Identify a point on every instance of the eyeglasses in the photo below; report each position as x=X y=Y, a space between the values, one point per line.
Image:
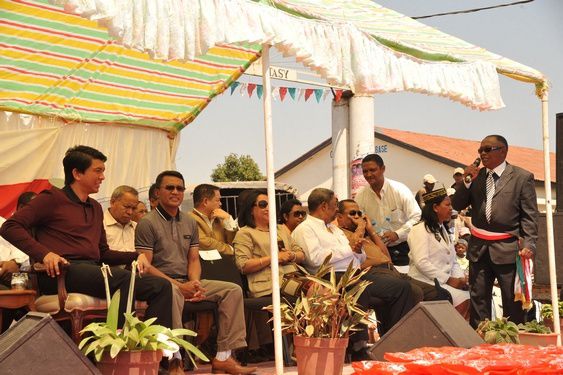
x=488 y=149
x=261 y=204
x=171 y=188
x=355 y=213
x=299 y=213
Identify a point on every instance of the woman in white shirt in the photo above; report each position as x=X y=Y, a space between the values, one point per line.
x=432 y=254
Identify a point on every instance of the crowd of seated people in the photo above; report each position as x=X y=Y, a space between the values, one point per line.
x=382 y=228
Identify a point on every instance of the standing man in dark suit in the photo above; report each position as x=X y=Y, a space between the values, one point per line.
x=505 y=214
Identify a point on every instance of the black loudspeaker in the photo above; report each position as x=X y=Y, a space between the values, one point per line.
x=433 y=323
x=37 y=345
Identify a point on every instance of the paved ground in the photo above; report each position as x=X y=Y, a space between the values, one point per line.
x=268 y=368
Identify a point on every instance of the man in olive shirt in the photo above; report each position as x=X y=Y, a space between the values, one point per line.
x=169 y=238
x=216 y=227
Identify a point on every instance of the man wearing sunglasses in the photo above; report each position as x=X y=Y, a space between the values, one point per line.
x=504 y=218
x=169 y=239
x=358 y=229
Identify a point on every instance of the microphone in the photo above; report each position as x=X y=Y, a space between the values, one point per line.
x=476 y=163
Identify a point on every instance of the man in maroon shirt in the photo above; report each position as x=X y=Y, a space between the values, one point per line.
x=68 y=227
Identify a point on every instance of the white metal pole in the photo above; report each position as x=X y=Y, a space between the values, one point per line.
x=340 y=161
x=267 y=103
x=549 y=216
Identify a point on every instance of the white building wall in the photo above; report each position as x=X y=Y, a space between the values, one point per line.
x=310 y=174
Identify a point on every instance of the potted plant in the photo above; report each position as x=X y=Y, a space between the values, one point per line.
x=498 y=331
x=546 y=314
x=535 y=333
x=322 y=319
x=138 y=346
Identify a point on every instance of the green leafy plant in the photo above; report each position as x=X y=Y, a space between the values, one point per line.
x=546 y=311
x=534 y=327
x=498 y=331
x=329 y=309
x=136 y=335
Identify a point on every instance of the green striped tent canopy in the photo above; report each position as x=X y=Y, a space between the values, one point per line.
x=56 y=64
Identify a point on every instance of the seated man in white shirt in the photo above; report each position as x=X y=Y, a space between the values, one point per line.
x=118 y=218
x=319 y=237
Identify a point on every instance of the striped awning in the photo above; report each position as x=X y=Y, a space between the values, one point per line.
x=53 y=63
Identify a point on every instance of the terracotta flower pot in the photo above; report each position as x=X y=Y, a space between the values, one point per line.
x=537 y=339
x=319 y=356
x=549 y=323
x=131 y=363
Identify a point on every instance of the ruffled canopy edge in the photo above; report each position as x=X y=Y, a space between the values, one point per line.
x=339 y=52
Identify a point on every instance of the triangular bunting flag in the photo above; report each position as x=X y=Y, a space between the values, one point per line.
x=283 y=91
x=326 y=92
x=274 y=94
x=259 y=91
x=301 y=92
x=250 y=89
x=308 y=93
x=234 y=86
x=338 y=95
x=318 y=94
x=242 y=89
x=292 y=92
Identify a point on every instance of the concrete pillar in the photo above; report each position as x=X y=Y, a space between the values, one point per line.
x=339 y=153
x=362 y=126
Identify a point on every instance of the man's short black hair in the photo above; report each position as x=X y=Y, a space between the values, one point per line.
x=317 y=197
x=161 y=176
x=375 y=158
x=152 y=191
x=499 y=138
x=342 y=203
x=79 y=158
x=204 y=191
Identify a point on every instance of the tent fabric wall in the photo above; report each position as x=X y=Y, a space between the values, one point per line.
x=33 y=148
x=339 y=52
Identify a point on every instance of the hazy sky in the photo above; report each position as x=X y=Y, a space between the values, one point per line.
x=531 y=34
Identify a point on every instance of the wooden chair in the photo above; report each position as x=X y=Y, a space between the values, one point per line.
x=77 y=308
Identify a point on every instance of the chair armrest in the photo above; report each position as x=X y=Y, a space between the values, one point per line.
x=61 y=285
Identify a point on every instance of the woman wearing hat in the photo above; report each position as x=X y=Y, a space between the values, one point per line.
x=432 y=254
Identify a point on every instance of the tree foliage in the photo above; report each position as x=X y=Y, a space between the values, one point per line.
x=237 y=168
